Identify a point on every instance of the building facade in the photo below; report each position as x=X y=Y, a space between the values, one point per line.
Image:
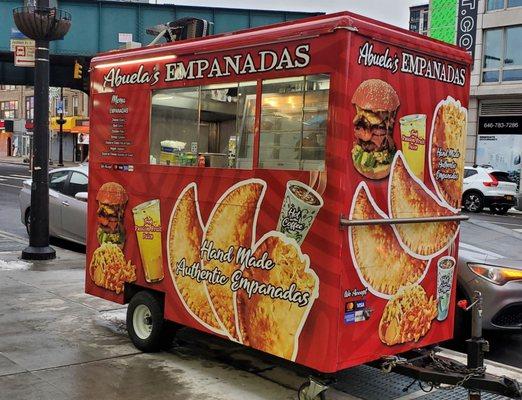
x=495 y=112
x=17 y=105
x=419 y=19
x=492 y=31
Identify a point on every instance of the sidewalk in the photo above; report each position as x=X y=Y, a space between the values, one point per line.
x=12 y=245
x=58 y=343
x=20 y=161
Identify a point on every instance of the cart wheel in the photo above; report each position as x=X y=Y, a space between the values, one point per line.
x=302 y=395
x=145 y=322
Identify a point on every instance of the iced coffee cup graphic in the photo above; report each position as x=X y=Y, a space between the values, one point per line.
x=147 y=224
x=300 y=207
x=413 y=138
x=445 y=269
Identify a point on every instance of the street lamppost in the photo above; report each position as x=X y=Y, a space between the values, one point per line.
x=42 y=24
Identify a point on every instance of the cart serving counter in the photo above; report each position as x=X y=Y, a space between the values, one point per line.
x=294 y=188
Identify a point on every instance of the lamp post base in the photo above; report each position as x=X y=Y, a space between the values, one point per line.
x=38 y=253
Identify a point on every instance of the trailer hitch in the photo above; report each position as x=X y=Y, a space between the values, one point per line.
x=477 y=345
x=425 y=365
x=438 y=372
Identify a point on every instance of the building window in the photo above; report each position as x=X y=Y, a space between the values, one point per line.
x=65 y=106
x=419 y=17
x=502 y=55
x=29 y=107
x=7 y=87
x=8 y=109
x=76 y=107
x=493 y=5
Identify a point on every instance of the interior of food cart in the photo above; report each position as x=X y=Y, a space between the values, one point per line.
x=218 y=121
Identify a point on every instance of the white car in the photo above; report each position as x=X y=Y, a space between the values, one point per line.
x=487 y=187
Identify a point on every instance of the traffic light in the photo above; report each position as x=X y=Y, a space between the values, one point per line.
x=77 y=70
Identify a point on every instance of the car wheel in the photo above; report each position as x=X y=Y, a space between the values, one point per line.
x=27 y=219
x=500 y=210
x=145 y=322
x=473 y=202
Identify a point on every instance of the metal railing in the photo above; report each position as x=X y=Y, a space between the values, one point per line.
x=396 y=221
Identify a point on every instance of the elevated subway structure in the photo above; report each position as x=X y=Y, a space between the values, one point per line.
x=97 y=24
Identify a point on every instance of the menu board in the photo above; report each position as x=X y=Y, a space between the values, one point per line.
x=120 y=128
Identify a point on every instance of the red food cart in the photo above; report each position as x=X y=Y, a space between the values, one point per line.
x=295 y=188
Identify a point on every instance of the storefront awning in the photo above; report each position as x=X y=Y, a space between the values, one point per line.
x=80 y=129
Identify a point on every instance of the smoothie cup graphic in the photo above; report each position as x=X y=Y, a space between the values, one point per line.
x=300 y=207
x=445 y=269
x=413 y=138
x=147 y=224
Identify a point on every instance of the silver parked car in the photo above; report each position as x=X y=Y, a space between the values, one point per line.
x=67 y=203
x=499 y=279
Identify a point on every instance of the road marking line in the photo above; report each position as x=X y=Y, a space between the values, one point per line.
x=518 y=230
x=14 y=186
x=16 y=238
x=22 y=176
x=506 y=223
x=13 y=177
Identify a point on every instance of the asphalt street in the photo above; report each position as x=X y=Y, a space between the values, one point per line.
x=505 y=347
x=11 y=178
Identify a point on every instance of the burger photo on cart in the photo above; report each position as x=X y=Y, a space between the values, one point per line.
x=376 y=104
x=112 y=199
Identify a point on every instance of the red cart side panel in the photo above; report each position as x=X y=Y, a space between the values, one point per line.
x=407 y=126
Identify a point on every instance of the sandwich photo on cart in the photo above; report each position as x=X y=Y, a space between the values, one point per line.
x=281 y=188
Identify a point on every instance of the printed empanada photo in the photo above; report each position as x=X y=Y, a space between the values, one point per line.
x=184 y=240
x=231 y=224
x=407 y=316
x=268 y=320
x=408 y=197
x=380 y=261
x=447 y=150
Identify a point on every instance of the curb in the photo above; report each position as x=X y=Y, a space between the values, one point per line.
x=13 y=162
x=51 y=166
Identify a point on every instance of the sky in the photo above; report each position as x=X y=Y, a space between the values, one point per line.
x=395 y=12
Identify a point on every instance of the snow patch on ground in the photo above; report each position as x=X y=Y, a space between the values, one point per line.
x=115 y=320
x=14 y=265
